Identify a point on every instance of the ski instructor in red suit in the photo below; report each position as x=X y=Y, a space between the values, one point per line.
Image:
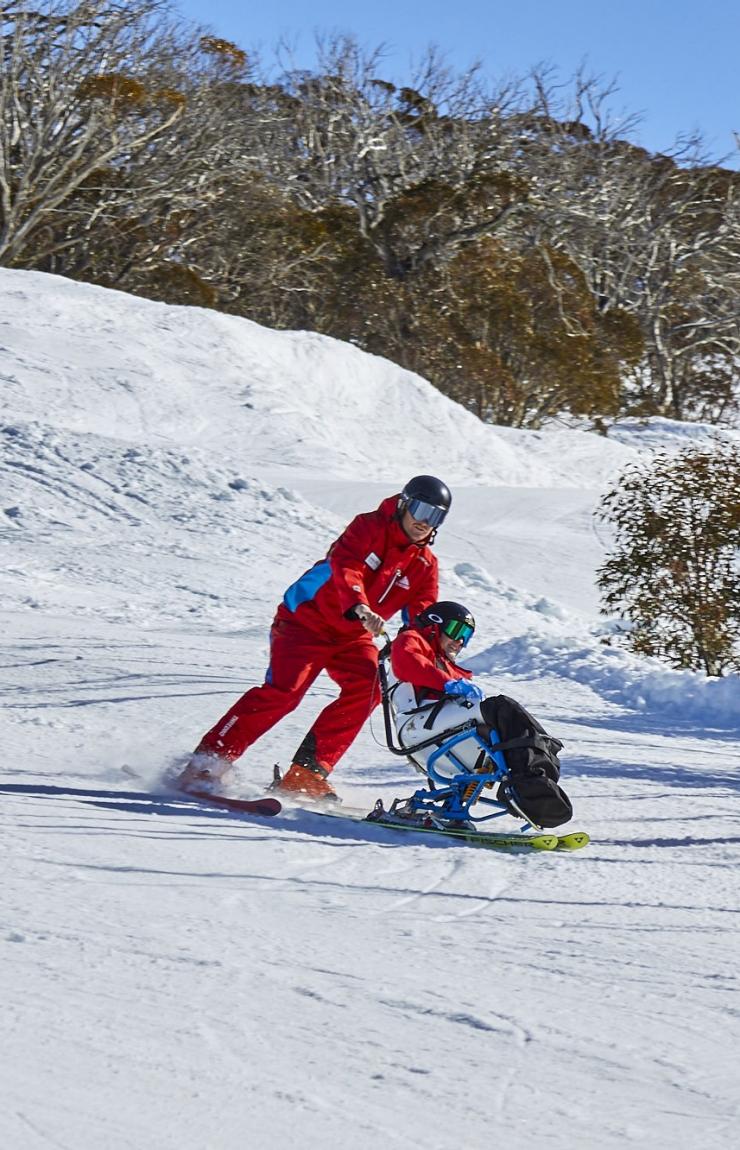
x=380 y=564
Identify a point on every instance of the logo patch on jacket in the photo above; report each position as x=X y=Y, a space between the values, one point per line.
x=403 y=582
x=373 y=561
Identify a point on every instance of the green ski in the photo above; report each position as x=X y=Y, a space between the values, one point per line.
x=488 y=839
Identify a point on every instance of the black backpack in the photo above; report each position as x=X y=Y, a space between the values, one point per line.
x=531 y=787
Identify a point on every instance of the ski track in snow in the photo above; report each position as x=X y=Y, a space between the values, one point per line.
x=184 y=978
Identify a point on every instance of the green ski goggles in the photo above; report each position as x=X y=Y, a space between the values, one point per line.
x=457 y=629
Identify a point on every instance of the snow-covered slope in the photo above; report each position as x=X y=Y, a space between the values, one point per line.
x=136 y=371
x=186 y=980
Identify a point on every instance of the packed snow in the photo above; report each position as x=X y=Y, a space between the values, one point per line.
x=182 y=978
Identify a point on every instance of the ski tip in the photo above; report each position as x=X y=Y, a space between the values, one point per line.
x=573 y=841
x=265 y=806
x=268 y=806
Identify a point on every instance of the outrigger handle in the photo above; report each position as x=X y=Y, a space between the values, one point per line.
x=385 y=650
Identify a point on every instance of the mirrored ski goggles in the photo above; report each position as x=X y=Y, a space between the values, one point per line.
x=425 y=512
x=456 y=629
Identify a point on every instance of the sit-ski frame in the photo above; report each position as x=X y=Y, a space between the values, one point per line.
x=450 y=799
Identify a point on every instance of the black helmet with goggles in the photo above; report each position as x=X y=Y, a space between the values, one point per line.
x=427 y=500
x=451 y=619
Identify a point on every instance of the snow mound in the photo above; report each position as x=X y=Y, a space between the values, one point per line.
x=473 y=577
x=55 y=479
x=540 y=638
x=144 y=534
x=638 y=683
x=658 y=434
x=105 y=362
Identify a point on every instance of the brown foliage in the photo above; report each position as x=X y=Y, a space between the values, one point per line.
x=224 y=50
x=514 y=251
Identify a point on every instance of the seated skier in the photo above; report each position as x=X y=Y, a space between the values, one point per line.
x=433 y=695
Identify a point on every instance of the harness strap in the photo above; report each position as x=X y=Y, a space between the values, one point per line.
x=436 y=708
x=418 y=710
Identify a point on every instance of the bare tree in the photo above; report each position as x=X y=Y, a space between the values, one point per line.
x=76 y=98
x=158 y=213
x=424 y=167
x=657 y=237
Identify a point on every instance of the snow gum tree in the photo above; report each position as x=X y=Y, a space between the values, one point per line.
x=115 y=125
x=674 y=572
x=74 y=97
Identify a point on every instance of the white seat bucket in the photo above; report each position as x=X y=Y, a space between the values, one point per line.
x=434 y=719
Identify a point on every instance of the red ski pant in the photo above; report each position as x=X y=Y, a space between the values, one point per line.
x=297 y=657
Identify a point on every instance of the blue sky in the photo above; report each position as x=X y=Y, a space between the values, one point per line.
x=676 y=62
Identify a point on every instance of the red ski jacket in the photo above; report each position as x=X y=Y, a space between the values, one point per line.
x=373 y=562
x=417 y=658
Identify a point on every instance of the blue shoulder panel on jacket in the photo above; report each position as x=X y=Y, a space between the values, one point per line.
x=308 y=585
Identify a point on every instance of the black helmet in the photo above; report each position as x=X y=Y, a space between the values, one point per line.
x=426 y=498
x=451 y=619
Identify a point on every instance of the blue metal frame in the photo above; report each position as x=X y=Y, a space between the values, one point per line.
x=446 y=799
x=446 y=796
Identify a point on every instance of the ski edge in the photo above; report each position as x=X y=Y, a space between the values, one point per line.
x=485 y=839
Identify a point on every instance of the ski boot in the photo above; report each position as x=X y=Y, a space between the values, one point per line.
x=204 y=773
x=308 y=781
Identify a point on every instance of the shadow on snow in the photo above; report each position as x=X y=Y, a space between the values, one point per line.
x=700 y=778
x=298 y=820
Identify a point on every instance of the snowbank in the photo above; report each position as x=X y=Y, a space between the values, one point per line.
x=105 y=362
x=638 y=683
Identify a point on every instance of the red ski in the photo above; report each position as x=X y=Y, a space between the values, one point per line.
x=265 y=806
